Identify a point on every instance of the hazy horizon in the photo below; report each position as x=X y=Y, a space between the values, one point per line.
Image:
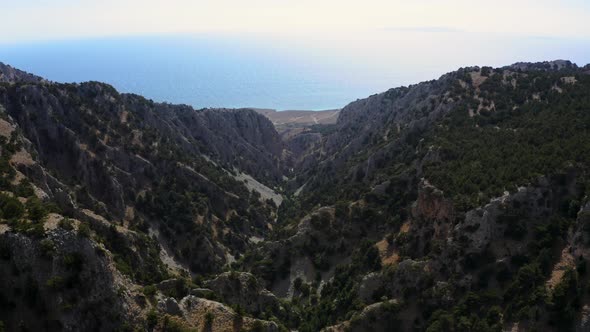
x=282 y=54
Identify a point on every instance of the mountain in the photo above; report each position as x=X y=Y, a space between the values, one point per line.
x=9 y=74
x=455 y=204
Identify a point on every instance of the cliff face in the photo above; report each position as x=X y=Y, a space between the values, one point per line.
x=157 y=189
x=120 y=156
x=93 y=119
x=375 y=130
x=64 y=281
x=453 y=204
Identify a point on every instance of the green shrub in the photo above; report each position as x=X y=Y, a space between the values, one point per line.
x=149 y=291
x=172 y=325
x=209 y=318
x=24 y=189
x=152 y=318
x=55 y=283
x=123 y=266
x=36 y=209
x=66 y=224
x=73 y=261
x=257 y=326
x=84 y=230
x=47 y=247
x=11 y=207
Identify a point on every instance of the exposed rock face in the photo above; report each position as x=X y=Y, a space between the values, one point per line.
x=108 y=150
x=584 y=325
x=9 y=74
x=222 y=135
x=302 y=147
x=101 y=157
x=432 y=205
x=389 y=121
x=490 y=223
x=169 y=306
x=408 y=273
x=70 y=282
x=375 y=317
x=546 y=65
x=206 y=315
x=243 y=289
x=243 y=133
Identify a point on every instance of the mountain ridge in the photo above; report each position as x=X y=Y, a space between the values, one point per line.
x=422 y=208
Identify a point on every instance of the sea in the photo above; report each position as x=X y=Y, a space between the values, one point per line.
x=201 y=72
x=212 y=71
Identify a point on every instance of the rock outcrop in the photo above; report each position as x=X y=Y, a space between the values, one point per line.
x=244 y=290
x=9 y=74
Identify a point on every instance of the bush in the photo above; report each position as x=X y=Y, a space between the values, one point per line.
x=566 y=300
x=55 y=283
x=485 y=155
x=152 y=319
x=257 y=326
x=66 y=224
x=209 y=318
x=47 y=247
x=84 y=230
x=172 y=325
x=24 y=189
x=11 y=207
x=149 y=291
x=32 y=229
x=123 y=267
x=390 y=238
x=36 y=209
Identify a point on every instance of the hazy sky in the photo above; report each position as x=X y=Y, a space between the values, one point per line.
x=304 y=19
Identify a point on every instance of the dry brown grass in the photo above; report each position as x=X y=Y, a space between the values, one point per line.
x=565 y=263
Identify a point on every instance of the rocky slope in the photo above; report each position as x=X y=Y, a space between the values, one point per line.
x=9 y=74
x=455 y=204
x=157 y=188
x=444 y=197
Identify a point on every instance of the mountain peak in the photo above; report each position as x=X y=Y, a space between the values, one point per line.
x=9 y=74
x=545 y=65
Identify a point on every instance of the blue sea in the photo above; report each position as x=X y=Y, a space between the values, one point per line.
x=209 y=71
x=202 y=72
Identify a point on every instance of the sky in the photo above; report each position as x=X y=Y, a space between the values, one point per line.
x=384 y=42
x=40 y=19
x=307 y=19
x=348 y=28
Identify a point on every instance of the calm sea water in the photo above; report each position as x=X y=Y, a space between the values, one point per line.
x=200 y=72
x=280 y=74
